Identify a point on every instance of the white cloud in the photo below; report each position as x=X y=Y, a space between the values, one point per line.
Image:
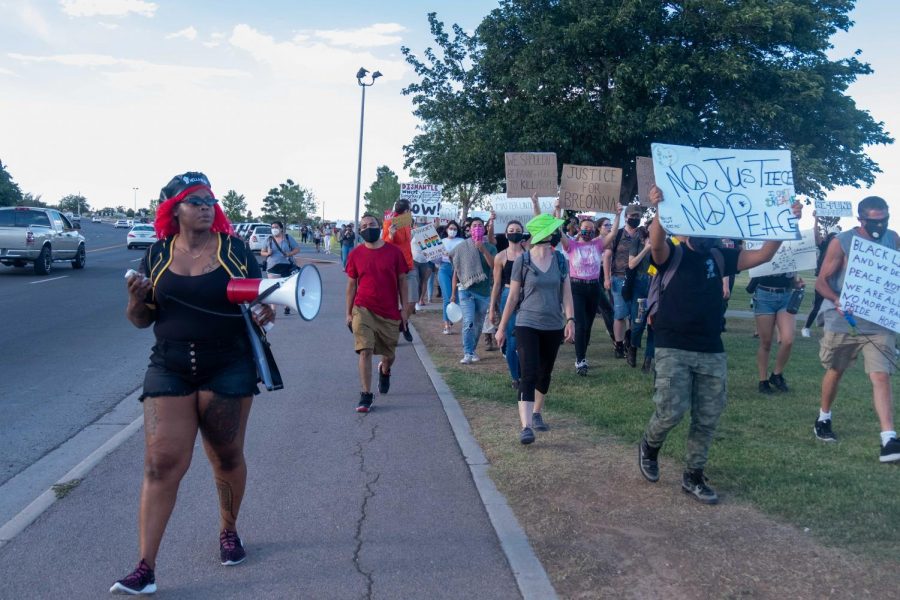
x=379 y=34
x=8 y=73
x=109 y=26
x=188 y=33
x=108 y=8
x=34 y=21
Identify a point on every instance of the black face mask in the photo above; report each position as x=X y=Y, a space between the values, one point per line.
x=634 y=222
x=875 y=227
x=370 y=234
x=514 y=238
x=703 y=245
x=555 y=238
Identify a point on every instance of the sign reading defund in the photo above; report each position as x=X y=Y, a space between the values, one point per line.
x=741 y=194
x=424 y=198
x=595 y=189
x=872 y=284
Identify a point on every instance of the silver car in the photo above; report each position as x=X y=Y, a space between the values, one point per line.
x=141 y=236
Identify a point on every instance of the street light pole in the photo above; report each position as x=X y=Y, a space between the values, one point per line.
x=360 y=75
x=135 y=200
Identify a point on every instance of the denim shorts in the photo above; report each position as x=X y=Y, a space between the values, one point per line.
x=766 y=302
x=181 y=368
x=621 y=307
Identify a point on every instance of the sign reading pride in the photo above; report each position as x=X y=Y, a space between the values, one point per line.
x=872 y=284
x=530 y=173
x=424 y=198
x=792 y=256
x=516 y=209
x=825 y=208
x=710 y=192
x=428 y=242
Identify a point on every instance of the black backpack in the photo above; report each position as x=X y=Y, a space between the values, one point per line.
x=660 y=282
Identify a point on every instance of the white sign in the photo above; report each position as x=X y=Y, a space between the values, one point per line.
x=428 y=242
x=825 y=208
x=424 y=198
x=516 y=209
x=710 y=192
x=449 y=212
x=793 y=256
x=872 y=284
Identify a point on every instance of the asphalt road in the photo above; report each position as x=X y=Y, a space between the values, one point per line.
x=67 y=353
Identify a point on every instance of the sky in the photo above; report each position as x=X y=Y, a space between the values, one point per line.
x=99 y=97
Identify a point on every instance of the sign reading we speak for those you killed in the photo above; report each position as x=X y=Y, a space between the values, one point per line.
x=711 y=192
x=872 y=283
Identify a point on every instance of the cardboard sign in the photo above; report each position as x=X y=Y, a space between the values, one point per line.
x=824 y=208
x=793 y=256
x=424 y=198
x=516 y=209
x=872 y=284
x=740 y=194
x=404 y=220
x=528 y=173
x=428 y=242
x=645 y=178
x=595 y=189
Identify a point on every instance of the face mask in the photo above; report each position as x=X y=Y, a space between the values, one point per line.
x=703 y=245
x=370 y=234
x=276 y=231
x=514 y=238
x=633 y=222
x=587 y=233
x=451 y=233
x=876 y=227
x=477 y=233
x=555 y=238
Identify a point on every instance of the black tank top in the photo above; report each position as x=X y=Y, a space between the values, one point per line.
x=177 y=322
x=507 y=272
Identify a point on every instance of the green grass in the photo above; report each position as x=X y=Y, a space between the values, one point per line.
x=764 y=451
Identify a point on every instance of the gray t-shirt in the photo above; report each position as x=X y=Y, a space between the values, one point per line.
x=279 y=251
x=541 y=307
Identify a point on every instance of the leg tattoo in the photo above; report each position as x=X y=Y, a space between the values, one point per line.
x=222 y=420
x=226 y=498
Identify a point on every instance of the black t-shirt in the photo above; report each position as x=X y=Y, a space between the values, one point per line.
x=178 y=322
x=690 y=308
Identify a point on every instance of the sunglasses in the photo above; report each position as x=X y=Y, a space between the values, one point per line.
x=198 y=201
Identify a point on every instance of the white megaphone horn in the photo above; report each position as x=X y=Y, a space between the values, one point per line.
x=302 y=291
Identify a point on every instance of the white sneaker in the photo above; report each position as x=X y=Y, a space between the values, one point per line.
x=805 y=332
x=474 y=357
x=446 y=330
x=466 y=359
x=418 y=307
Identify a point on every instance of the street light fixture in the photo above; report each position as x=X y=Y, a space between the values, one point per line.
x=360 y=77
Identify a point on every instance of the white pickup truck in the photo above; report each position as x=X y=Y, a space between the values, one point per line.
x=39 y=236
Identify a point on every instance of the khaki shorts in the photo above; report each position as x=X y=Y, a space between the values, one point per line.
x=838 y=351
x=375 y=333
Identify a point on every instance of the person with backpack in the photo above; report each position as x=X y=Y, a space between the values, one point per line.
x=639 y=271
x=685 y=308
x=279 y=252
x=822 y=242
x=615 y=266
x=544 y=318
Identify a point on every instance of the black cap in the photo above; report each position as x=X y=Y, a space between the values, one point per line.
x=179 y=183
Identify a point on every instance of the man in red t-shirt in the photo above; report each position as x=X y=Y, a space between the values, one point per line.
x=398 y=232
x=377 y=280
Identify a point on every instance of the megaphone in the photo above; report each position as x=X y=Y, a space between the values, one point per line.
x=301 y=291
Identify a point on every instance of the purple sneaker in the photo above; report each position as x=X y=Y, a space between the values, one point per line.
x=141 y=581
x=230 y=548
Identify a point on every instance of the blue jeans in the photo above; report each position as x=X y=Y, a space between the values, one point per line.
x=345 y=252
x=445 y=280
x=641 y=289
x=474 y=308
x=512 y=358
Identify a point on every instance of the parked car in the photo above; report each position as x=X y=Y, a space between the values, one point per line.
x=259 y=235
x=122 y=224
x=247 y=228
x=40 y=236
x=96 y=219
x=140 y=236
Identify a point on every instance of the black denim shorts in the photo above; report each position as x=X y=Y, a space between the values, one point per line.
x=182 y=368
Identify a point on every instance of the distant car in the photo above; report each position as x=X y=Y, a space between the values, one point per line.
x=259 y=235
x=96 y=219
x=141 y=236
x=122 y=224
x=294 y=227
x=131 y=222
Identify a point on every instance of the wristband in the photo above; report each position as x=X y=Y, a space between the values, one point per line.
x=570 y=319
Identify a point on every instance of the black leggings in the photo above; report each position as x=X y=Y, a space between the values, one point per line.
x=817 y=304
x=537 y=349
x=585 y=299
x=605 y=308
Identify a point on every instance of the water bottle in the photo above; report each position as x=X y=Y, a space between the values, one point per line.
x=641 y=310
x=796 y=299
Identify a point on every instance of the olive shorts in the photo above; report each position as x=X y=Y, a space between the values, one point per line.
x=374 y=332
x=838 y=351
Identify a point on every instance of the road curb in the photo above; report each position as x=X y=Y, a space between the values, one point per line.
x=532 y=579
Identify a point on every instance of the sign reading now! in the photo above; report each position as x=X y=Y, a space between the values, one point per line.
x=872 y=284
x=424 y=198
x=712 y=192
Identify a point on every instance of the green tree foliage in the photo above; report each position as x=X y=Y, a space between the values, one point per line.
x=289 y=202
x=597 y=81
x=10 y=194
x=29 y=199
x=383 y=192
x=74 y=203
x=234 y=205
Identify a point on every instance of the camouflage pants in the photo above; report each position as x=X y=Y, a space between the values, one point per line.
x=685 y=381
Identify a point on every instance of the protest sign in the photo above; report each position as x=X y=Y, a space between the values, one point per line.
x=516 y=209
x=872 y=283
x=427 y=241
x=590 y=188
x=740 y=194
x=404 y=220
x=449 y=212
x=793 y=256
x=825 y=208
x=645 y=179
x=530 y=173
x=424 y=198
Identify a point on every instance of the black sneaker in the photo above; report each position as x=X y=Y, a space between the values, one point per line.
x=647 y=366
x=647 y=461
x=620 y=350
x=890 y=452
x=365 y=402
x=779 y=382
x=765 y=388
x=822 y=429
x=694 y=483
x=631 y=358
x=538 y=422
x=514 y=384
x=287 y=310
x=407 y=334
x=527 y=436
x=231 y=549
x=141 y=581
x=384 y=381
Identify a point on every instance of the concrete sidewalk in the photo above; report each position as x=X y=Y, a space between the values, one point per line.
x=338 y=505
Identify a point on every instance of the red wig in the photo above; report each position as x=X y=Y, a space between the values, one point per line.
x=166 y=224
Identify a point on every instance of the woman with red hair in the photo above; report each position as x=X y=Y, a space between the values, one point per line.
x=202 y=376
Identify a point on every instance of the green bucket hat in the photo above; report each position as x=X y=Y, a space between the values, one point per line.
x=542 y=226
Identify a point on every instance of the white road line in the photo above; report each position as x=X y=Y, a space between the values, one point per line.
x=104 y=248
x=137 y=259
x=46 y=280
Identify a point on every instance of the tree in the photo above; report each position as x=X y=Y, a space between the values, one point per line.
x=234 y=205
x=289 y=203
x=10 y=194
x=383 y=192
x=74 y=203
x=29 y=199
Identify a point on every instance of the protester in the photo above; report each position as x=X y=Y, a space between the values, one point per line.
x=401 y=237
x=304 y=234
x=770 y=303
x=317 y=238
x=541 y=293
x=202 y=374
x=423 y=274
x=279 y=251
x=615 y=266
x=376 y=289
x=472 y=263
x=639 y=261
x=728 y=282
x=604 y=301
x=503 y=265
x=690 y=358
x=822 y=242
x=445 y=273
x=327 y=234
x=348 y=240
x=843 y=341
